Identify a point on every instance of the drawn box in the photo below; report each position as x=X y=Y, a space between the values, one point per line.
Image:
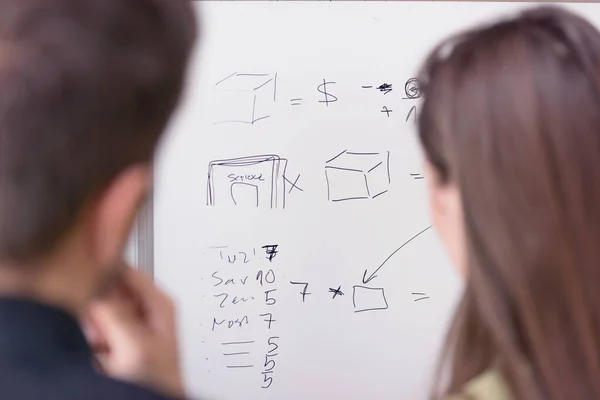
x=357 y=176
x=245 y=98
x=368 y=299
x=255 y=181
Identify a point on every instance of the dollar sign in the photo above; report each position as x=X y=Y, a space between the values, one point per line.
x=329 y=98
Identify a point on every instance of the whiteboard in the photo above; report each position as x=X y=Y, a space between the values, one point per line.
x=291 y=220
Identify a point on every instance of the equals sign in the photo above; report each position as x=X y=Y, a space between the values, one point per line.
x=422 y=296
x=417 y=176
x=296 y=102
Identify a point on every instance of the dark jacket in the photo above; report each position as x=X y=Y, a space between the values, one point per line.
x=44 y=356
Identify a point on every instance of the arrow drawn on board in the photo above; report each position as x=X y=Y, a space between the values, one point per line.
x=366 y=280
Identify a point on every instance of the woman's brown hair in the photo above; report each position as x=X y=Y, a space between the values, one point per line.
x=511 y=115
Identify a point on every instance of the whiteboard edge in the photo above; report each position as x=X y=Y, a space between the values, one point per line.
x=144 y=237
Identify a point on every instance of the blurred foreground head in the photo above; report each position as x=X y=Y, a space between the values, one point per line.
x=510 y=126
x=86 y=90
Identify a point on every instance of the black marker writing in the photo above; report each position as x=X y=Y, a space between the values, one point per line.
x=269 y=277
x=329 y=98
x=231 y=323
x=271 y=250
x=269 y=363
x=268 y=320
x=269 y=300
x=336 y=292
x=385 y=88
x=387 y=111
x=304 y=292
x=225 y=296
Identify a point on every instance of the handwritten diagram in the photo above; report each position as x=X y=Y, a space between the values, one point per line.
x=412 y=91
x=246 y=98
x=357 y=176
x=251 y=288
x=247 y=287
x=328 y=97
x=237 y=354
x=366 y=279
x=368 y=299
x=249 y=98
x=254 y=181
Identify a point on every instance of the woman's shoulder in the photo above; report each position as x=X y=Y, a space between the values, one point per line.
x=489 y=385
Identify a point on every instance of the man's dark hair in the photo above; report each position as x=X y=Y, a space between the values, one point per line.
x=86 y=90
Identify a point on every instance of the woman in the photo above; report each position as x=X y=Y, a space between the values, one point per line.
x=510 y=126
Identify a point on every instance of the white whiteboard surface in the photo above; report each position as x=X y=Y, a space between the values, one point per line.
x=226 y=189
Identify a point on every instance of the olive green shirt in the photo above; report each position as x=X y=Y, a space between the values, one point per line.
x=489 y=385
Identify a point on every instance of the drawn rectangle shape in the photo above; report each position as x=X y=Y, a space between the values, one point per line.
x=254 y=181
x=346 y=185
x=368 y=299
x=357 y=176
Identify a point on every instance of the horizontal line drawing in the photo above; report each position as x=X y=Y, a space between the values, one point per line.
x=368 y=299
x=423 y=296
x=253 y=181
x=252 y=74
x=345 y=169
x=353 y=153
x=238 y=349
x=233 y=343
x=245 y=97
x=353 y=175
x=350 y=198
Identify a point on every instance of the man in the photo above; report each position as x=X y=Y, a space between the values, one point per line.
x=86 y=89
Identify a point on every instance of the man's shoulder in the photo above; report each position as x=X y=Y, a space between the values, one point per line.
x=114 y=389
x=69 y=384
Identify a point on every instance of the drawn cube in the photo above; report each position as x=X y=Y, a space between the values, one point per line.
x=357 y=176
x=255 y=181
x=245 y=98
x=368 y=299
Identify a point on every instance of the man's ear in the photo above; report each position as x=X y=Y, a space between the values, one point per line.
x=114 y=212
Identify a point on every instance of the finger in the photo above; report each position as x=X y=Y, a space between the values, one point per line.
x=93 y=335
x=157 y=305
x=115 y=323
x=99 y=364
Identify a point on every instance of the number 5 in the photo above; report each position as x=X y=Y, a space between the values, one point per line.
x=267 y=379
x=271 y=343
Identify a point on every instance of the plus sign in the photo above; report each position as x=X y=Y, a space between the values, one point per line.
x=386 y=110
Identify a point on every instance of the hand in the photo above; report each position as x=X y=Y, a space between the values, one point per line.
x=132 y=331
